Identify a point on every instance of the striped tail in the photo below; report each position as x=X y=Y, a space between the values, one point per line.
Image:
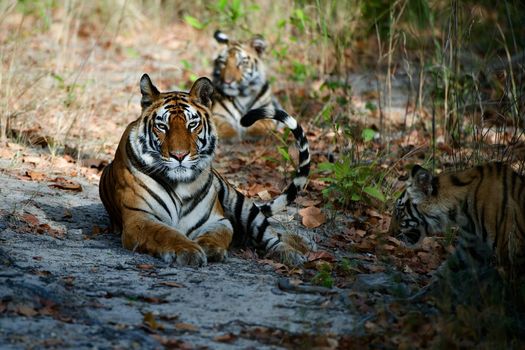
x=301 y=176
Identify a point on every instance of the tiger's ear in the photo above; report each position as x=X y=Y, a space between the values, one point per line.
x=202 y=91
x=422 y=180
x=149 y=92
x=221 y=37
x=259 y=44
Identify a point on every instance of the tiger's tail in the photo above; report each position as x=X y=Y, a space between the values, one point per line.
x=301 y=176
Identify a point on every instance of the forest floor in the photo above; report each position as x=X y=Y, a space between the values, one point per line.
x=66 y=282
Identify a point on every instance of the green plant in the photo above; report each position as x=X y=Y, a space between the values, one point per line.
x=347 y=267
x=226 y=14
x=283 y=149
x=350 y=182
x=69 y=89
x=324 y=276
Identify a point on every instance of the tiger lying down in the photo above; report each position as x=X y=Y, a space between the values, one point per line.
x=166 y=199
x=487 y=203
x=241 y=84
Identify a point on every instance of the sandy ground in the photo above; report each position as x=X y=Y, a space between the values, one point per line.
x=81 y=289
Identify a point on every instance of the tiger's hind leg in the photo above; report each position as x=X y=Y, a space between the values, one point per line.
x=288 y=248
x=144 y=234
x=225 y=130
x=260 y=129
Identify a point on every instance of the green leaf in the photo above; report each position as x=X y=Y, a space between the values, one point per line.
x=194 y=22
x=355 y=197
x=327 y=113
x=58 y=78
x=325 y=166
x=370 y=106
x=326 y=191
x=193 y=77
x=221 y=4
x=368 y=134
x=374 y=192
x=299 y=14
x=284 y=153
x=186 y=64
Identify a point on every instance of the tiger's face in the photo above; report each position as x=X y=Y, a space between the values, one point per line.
x=416 y=214
x=238 y=69
x=407 y=222
x=176 y=137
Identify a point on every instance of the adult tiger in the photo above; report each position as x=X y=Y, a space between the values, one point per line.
x=239 y=77
x=163 y=194
x=486 y=202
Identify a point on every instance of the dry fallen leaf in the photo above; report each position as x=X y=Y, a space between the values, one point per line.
x=46 y=229
x=185 y=327
x=30 y=219
x=68 y=158
x=65 y=184
x=149 y=321
x=366 y=245
x=360 y=233
x=171 y=343
x=312 y=217
x=264 y=195
x=35 y=175
x=278 y=267
x=226 y=338
x=394 y=240
x=429 y=244
x=373 y=213
x=26 y=310
x=320 y=255
x=306 y=202
x=145 y=266
x=388 y=247
x=96 y=230
x=171 y=284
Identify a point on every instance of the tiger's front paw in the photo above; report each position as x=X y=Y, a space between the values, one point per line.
x=189 y=254
x=215 y=246
x=214 y=253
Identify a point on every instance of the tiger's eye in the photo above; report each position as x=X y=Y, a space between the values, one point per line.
x=162 y=127
x=192 y=125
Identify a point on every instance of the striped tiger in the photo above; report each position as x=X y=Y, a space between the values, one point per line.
x=239 y=77
x=164 y=196
x=486 y=203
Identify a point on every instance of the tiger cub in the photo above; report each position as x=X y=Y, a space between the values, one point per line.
x=163 y=194
x=486 y=202
x=239 y=78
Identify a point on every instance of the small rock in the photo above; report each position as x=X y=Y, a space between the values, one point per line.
x=75 y=234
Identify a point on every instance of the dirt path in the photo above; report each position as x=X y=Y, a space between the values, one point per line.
x=81 y=289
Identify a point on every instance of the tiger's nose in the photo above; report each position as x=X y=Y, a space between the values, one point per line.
x=228 y=78
x=179 y=155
